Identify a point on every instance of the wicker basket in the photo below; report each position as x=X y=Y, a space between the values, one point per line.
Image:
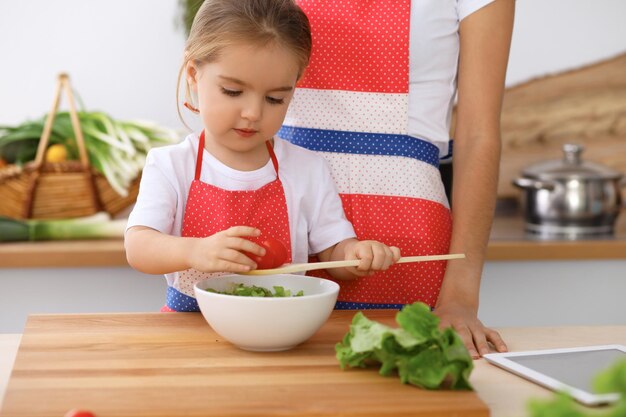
x=69 y=189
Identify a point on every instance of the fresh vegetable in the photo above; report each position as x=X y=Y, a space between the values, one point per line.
x=262 y=262
x=56 y=153
x=611 y=380
x=97 y=226
x=79 y=413
x=278 y=250
x=254 y=291
x=422 y=354
x=275 y=254
x=116 y=149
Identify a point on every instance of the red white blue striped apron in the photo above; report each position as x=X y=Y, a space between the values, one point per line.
x=352 y=107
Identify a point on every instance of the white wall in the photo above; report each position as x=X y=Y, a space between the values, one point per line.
x=28 y=291
x=553 y=293
x=123 y=55
x=551 y=36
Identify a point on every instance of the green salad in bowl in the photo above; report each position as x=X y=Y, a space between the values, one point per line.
x=243 y=290
x=266 y=312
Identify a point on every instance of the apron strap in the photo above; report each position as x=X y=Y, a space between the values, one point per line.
x=199 y=159
x=270 y=149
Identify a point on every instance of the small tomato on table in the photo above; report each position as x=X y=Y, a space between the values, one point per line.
x=79 y=413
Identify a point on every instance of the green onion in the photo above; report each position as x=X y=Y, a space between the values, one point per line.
x=97 y=226
x=116 y=149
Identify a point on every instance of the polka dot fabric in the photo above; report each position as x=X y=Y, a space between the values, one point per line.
x=349 y=110
x=352 y=107
x=417 y=227
x=179 y=302
x=211 y=209
x=386 y=175
x=363 y=143
x=347 y=305
x=358 y=45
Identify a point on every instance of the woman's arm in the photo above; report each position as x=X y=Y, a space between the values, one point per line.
x=485 y=38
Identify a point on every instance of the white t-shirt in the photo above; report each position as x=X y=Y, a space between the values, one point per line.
x=316 y=217
x=433 y=66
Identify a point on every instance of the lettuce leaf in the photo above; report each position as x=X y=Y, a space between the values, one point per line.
x=420 y=353
x=256 y=291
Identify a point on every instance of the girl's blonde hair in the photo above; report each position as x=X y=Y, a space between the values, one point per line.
x=221 y=23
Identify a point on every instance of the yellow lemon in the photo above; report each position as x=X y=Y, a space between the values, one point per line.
x=56 y=153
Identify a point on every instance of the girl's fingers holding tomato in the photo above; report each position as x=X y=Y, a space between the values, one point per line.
x=245 y=245
x=239 y=231
x=229 y=266
x=233 y=256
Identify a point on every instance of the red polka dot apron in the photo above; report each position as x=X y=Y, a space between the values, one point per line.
x=211 y=209
x=352 y=107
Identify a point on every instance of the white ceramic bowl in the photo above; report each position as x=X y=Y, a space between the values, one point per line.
x=267 y=323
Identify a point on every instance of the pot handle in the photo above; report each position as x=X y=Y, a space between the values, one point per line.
x=535 y=184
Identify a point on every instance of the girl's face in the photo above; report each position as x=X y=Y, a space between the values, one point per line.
x=243 y=98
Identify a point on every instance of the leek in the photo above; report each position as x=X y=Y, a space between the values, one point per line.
x=116 y=149
x=98 y=226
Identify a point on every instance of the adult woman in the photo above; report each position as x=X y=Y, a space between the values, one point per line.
x=376 y=102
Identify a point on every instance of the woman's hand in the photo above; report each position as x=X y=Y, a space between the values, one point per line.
x=223 y=251
x=474 y=334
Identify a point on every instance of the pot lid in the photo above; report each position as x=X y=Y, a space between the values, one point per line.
x=570 y=167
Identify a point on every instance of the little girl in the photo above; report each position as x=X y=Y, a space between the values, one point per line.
x=203 y=202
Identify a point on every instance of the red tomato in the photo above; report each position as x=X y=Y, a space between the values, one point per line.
x=275 y=253
x=262 y=262
x=79 y=413
x=278 y=249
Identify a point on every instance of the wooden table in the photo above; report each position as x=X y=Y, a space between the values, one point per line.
x=139 y=364
x=9 y=344
x=174 y=364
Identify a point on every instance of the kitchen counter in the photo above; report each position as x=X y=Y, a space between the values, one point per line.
x=136 y=341
x=508 y=242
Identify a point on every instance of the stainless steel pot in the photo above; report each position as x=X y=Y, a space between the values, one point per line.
x=570 y=198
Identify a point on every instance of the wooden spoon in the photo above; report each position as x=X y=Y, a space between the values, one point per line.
x=291 y=268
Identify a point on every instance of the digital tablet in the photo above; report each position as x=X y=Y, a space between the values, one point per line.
x=571 y=370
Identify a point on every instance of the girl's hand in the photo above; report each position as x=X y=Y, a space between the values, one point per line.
x=374 y=256
x=222 y=252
